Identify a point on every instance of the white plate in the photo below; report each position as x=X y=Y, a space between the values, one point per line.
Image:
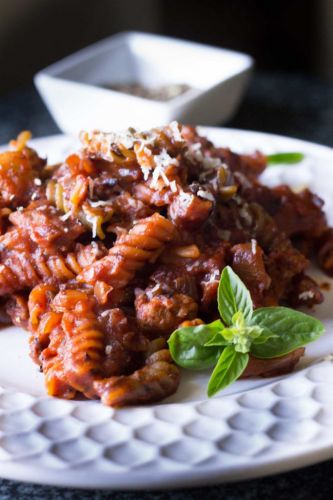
x=254 y=428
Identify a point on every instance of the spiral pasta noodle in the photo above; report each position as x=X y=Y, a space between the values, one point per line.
x=159 y=377
x=84 y=339
x=24 y=269
x=141 y=245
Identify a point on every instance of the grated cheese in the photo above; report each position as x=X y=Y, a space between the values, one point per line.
x=146 y=172
x=100 y=144
x=308 y=294
x=196 y=154
x=207 y=195
x=246 y=216
x=156 y=288
x=37 y=181
x=254 y=246
x=175 y=129
x=99 y=203
x=173 y=186
x=185 y=198
x=146 y=139
x=94 y=223
x=162 y=161
x=105 y=313
x=215 y=276
x=108 y=349
x=66 y=216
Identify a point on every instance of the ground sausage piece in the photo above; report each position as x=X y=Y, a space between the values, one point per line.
x=188 y=211
x=44 y=224
x=273 y=367
x=122 y=342
x=17 y=310
x=294 y=213
x=168 y=280
x=304 y=291
x=161 y=314
x=248 y=263
x=325 y=252
x=19 y=176
x=157 y=379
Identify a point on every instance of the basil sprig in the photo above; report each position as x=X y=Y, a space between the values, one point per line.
x=286 y=158
x=226 y=344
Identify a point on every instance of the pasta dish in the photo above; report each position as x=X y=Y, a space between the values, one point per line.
x=103 y=256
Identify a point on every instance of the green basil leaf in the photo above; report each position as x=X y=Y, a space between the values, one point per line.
x=264 y=336
x=217 y=340
x=229 y=368
x=287 y=158
x=293 y=329
x=187 y=346
x=233 y=296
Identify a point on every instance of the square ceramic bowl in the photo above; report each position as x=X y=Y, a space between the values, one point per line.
x=73 y=87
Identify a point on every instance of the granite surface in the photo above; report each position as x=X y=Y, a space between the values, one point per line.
x=291 y=105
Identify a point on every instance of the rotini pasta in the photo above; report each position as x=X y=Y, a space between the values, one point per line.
x=158 y=379
x=141 y=245
x=84 y=339
x=24 y=268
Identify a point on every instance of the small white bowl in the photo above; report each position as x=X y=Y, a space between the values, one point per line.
x=72 y=88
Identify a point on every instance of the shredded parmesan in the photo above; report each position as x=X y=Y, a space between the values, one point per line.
x=37 y=181
x=94 y=223
x=254 y=246
x=105 y=313
x=108 y=348
x=207 y=195
x=99 y=203
x=146 y=172
x=185 y=198
x=215 y=276
x=173 y=186
x=65 y=216
x=101 y=145
x=308 y=294
x=162 y=161
x=175 y=129
x=196 y=154
x=246 y=216
x=153 y=291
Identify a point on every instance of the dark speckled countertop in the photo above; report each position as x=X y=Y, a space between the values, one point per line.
x=291 y=105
